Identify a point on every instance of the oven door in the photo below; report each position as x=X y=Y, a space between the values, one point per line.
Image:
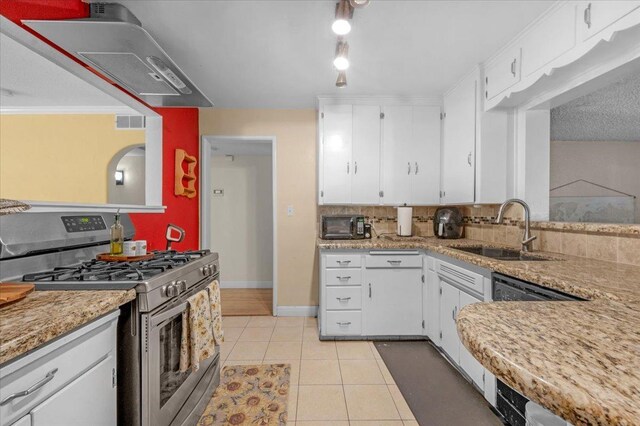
x=165 y=389
x=338 y=227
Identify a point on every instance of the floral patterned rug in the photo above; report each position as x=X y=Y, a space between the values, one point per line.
x=250 y=395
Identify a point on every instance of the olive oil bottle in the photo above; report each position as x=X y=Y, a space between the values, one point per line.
x=117 y=236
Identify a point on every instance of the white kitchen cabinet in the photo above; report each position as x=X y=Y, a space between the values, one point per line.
x=468 y=363
x=89 y=399
x=72 y=379
x=503 y=72
x=411 y=155
x=553 y=36
x=336 y=154
x=595 y=16
x=393 y=302
x=459 y=142
x=449 y=301
x=431 y=307
x=474 y=147
x=365 y=181
x=25 y=421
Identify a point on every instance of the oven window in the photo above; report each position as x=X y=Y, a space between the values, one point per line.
x=170 y=376
x=338 y=226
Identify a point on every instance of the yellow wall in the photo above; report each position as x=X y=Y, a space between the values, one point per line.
x=61 y=157
x=295 y=132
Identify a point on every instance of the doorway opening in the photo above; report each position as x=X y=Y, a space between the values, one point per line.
x=238 y=220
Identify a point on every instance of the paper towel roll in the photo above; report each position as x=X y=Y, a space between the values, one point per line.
x=404 y=221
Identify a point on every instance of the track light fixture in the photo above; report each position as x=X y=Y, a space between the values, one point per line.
x=342 y=79
x=358 y=3
x=341 y=62
x=344 y=12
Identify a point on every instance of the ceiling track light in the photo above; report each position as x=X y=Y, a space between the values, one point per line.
x=358 y=3
x=342 y=79
x=344 y=12
x=341 y=62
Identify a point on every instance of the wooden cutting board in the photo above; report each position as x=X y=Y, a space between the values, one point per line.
x=12 y=292
x=106 y=257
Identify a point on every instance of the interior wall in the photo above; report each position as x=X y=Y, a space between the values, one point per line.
x=242 y=220
x=59 y=157
x=612 y=164
x=295 y=132
x=132 y=190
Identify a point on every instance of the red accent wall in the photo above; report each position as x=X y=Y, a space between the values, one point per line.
x=180 y=129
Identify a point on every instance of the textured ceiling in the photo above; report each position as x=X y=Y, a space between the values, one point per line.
x=279 y=54
x=31 y=82
x=608 y=114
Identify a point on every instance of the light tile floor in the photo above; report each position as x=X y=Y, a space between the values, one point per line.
x=336 y=383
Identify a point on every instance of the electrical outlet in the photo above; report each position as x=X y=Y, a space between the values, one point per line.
x=290 y=210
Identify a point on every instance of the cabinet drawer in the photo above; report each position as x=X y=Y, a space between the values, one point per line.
x=393 y=261
x=344 y=323
x=461 y=277
x=55 y=365
x=344 y=298
x=345 y=276
x=343 y=261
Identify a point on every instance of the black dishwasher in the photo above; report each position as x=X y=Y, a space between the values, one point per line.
x=508 y=401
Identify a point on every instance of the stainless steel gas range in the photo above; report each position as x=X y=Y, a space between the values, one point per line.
x=57 y=251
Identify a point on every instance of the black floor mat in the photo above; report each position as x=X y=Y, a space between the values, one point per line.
x=436 y=393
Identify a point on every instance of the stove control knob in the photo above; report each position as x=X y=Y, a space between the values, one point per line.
x=182 y=285
x=205 y=270
x=171 y=290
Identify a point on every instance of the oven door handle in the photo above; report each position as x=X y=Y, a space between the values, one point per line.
x=157 y=319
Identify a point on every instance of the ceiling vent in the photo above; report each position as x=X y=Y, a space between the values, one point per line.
x=130 y=122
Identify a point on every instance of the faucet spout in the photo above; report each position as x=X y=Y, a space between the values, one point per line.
x=527 y=238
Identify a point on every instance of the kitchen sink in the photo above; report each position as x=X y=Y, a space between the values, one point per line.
x=500 y=253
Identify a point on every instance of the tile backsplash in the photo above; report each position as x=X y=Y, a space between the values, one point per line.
x=616 y=244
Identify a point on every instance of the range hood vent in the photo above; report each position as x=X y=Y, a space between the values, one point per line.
x=113 y=42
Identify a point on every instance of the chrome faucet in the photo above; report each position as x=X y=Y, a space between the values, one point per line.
x=527 y=239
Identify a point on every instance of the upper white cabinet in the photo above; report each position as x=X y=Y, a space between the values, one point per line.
x=411 y=155
x=474 y=147
x=459 y=143
x=365 y=181
x=371 y=154
x=502 y=72
x=548 y=40
x=595 y=16
x=337 y=136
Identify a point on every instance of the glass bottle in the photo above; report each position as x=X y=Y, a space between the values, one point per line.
x=117 y=236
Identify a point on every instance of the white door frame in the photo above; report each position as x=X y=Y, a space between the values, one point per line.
x=205 y=196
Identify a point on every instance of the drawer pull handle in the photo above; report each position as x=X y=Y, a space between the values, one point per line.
x=395 y=262
x=32 y=389
x=342 y=324
x=344 y=278
x=343 y=299
x=345 y=262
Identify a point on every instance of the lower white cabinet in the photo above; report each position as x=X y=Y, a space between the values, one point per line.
x=70 y=381
x=371 y=293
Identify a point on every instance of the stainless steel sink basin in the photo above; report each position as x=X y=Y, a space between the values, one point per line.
x=500 y=253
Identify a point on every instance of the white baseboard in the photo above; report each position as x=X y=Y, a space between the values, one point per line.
x=246 y=284
x=296 y=311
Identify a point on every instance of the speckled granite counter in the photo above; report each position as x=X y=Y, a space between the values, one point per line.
x=45 y=315
x=579 y=359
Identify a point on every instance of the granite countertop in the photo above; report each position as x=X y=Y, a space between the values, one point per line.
x=581 y=360
x=44 y=315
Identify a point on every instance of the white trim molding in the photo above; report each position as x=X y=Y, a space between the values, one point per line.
x=246 y=284
x=296 y=311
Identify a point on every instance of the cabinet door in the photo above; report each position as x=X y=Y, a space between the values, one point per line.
x=24 y=421
x=425 y=155
x=502 y=73
x=393 y=302
x=365 y=181
x=595 y=16
x=431 y=307
x=468 y=363
x=552 y=37
x=336 y=154
x=449 y=299
x=88 y=400
x=396 y=156
x=458 y=162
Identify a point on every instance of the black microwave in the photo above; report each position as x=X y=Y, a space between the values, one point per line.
x=343 y=227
